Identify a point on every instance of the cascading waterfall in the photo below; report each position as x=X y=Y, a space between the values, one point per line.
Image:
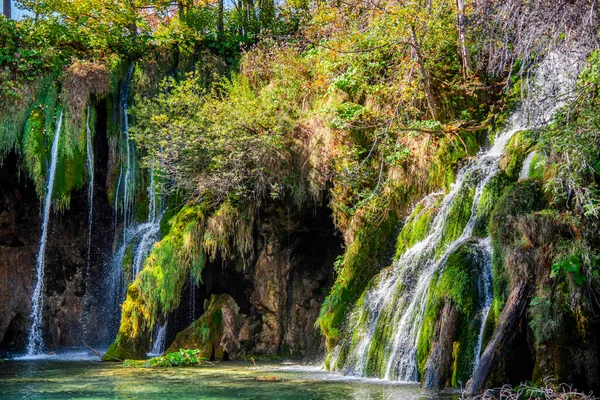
x=139 y=240
x=524 y=174
x=35 y=342
x=150 y=230
x=384 y=327
x=158 y=344
x=90 y=168
x=129 y=178
x=485 y=292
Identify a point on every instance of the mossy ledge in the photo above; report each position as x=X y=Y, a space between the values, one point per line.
x=157 y=289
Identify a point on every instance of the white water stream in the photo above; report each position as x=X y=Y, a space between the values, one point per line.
x=35 y=343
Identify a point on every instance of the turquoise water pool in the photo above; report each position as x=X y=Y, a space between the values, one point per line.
x=56 y=378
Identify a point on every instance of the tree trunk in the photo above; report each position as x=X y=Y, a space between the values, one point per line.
x=220 y=22
x=439 y=365
x=462 y=37
x=431 y=104
x=7 y=8
x=502 y=338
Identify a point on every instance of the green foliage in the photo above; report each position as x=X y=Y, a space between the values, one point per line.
x=181 y=358
x=216 y=140
x=517 y=200
x=570 y=145
x=549 y=313
x=572 y=265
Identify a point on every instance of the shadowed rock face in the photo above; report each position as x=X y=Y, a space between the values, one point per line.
x=19 y=235
x=66 y=252
x=66 y=256
x=277 y=294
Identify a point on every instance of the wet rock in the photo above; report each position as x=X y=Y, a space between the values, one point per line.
x=508 y=323
x=439 y=365
x=216 y=333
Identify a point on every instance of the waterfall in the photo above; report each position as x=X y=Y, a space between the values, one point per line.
x=35 y=340
x=524 y=174
x=90 y=168
x=158 y=344
x=151 y=196
x=485 y=293
x=384 y=327
x=129 y=179
x=192 y=297
x=137 y=239
x=116 y=202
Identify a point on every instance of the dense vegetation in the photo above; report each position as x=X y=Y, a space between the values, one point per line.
x=368 y=105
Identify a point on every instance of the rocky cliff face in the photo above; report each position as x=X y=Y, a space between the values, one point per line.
x=66 y=258
x=19 y=235
x=275 y=296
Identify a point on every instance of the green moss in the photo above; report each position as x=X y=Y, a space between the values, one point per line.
x=70 y=175
x=127 y=264
x=415 y=229
x=157 y=288
x=12 y=123
x=172 y=208
x=360 y=263
x=458 y=216
x=441 y=172
x=516 y=152
x=434 y=305
x=519 y=199
x=537 y=167
x=205 y=334
x=34 y=149
x=489 y=197
x=456 y=284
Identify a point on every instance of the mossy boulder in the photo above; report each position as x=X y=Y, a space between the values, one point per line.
x=131 y=343
x=452 y=300
x=157 y=288
x=217 y=333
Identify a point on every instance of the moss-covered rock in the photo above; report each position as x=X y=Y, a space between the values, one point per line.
x=517 y=200
x=458 y=217
x=516 y=152
x=157 y=289
x=489 y=197
x=417 y=226
x=361 y=261
x=127 y=263
x=456 y=285
x=216 y=334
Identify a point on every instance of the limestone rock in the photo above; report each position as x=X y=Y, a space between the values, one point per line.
x=216 y=333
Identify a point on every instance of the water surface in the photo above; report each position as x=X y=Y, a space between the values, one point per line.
x=54 y=378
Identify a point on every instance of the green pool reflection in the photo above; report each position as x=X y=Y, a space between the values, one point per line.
x=59 y=379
